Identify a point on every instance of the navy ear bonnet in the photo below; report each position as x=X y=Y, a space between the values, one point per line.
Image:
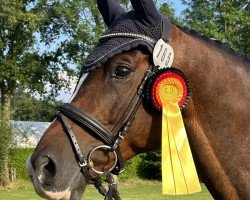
x=139 y=27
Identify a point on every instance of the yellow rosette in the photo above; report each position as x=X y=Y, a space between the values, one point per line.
x=169 y=93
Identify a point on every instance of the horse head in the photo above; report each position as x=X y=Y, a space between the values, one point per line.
x=107 y=122
x=103 y=102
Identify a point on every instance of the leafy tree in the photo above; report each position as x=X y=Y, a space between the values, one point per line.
x=66 y=31
x=167 y=10
x=225 y=20
x=28 y=108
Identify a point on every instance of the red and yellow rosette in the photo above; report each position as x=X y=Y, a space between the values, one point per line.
x=170 y=91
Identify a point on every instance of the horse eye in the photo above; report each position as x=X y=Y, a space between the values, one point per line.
x=122 y=71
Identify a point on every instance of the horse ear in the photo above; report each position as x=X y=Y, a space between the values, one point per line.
x=110 y=10
x=146 y=12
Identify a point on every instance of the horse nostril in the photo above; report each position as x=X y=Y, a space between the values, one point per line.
x=45 y=169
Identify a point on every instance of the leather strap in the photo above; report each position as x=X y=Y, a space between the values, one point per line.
x=81 y=159
x=96 y=127
x=124 y=124
x=166 y=28
x=86 y=120
x=112 y=193
x=129 y=114
x=98 y=185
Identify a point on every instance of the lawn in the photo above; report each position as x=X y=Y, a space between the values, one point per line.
x=134 y=190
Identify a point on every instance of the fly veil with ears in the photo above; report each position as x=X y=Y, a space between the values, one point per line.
x=143 y=26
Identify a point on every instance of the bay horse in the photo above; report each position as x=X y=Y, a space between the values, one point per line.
x=216 y=117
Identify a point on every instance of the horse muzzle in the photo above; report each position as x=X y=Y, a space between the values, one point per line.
x=44 y=175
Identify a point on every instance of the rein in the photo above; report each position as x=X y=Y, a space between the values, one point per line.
x=110 y=139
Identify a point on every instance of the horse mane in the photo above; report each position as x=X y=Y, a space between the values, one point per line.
x=216 y=42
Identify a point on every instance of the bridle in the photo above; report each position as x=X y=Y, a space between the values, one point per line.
x=110 y=139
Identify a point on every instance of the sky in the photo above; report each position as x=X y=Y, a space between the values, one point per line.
x=178 y=7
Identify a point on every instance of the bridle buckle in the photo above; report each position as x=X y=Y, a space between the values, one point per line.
x=121 y=135
x=84 y=163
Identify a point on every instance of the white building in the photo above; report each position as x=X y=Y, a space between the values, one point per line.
x=26 y=134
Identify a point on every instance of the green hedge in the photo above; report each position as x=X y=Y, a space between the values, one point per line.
x=19 y=156
x=131 y=169
x=150 y=165
x=17 y=159
x=145 y=166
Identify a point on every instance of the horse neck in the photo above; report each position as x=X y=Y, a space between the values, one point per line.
x=216 y=118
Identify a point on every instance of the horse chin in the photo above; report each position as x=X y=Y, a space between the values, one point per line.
x=73 y=191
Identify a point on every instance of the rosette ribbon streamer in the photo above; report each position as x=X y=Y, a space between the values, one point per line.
x=179 y=174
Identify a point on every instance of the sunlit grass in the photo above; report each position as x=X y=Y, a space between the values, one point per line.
x=130 y=190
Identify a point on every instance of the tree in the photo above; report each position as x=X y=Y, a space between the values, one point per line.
x=28 y=108
x=5 y=136
x=225 y=20
x=167 y=10
x=66 y=31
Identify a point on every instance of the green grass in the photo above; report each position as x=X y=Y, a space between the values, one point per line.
x=137 y=190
